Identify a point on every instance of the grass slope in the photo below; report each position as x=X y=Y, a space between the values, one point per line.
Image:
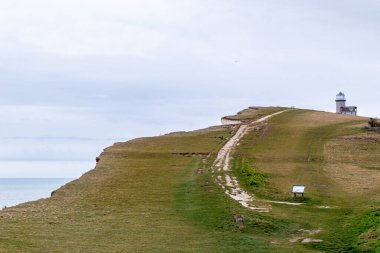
x=158 y=194
x=143 y=196
x=337 y=161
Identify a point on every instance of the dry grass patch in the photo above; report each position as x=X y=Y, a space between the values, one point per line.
x=353 y=179
x=354 y=162
x=359 y=148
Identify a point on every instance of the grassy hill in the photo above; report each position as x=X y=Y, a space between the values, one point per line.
x=158 y=194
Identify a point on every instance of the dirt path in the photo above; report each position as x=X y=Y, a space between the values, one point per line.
x=222 y=171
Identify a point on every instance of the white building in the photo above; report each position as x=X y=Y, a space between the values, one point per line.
x=341 y=107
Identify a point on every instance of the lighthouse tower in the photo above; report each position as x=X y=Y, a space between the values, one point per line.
x=340 y=102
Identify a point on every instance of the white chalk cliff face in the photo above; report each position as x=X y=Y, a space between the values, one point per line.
x=230 y=121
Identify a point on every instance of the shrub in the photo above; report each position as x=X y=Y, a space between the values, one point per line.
x=248 y=173
x=373 y=122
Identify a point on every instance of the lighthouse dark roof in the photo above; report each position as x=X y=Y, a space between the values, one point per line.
x=340 y=97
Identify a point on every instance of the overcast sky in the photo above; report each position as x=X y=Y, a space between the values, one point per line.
x=78 y=75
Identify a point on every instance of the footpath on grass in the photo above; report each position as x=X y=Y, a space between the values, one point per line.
x=222 y=170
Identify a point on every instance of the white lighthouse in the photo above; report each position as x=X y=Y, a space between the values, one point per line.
x=340 y=102
x=341 y=107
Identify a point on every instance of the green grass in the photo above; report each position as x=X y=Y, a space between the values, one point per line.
x=201 y=202
x=158 y=194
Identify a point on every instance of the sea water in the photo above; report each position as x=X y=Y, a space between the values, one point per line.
x=23 y=181
x=14 y=191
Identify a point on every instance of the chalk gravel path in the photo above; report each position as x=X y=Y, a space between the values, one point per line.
x=222 y=171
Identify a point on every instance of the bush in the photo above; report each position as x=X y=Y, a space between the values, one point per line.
x=373 y=122
x=248 y=173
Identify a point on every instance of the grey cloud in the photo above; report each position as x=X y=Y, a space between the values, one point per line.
x=95 y=71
